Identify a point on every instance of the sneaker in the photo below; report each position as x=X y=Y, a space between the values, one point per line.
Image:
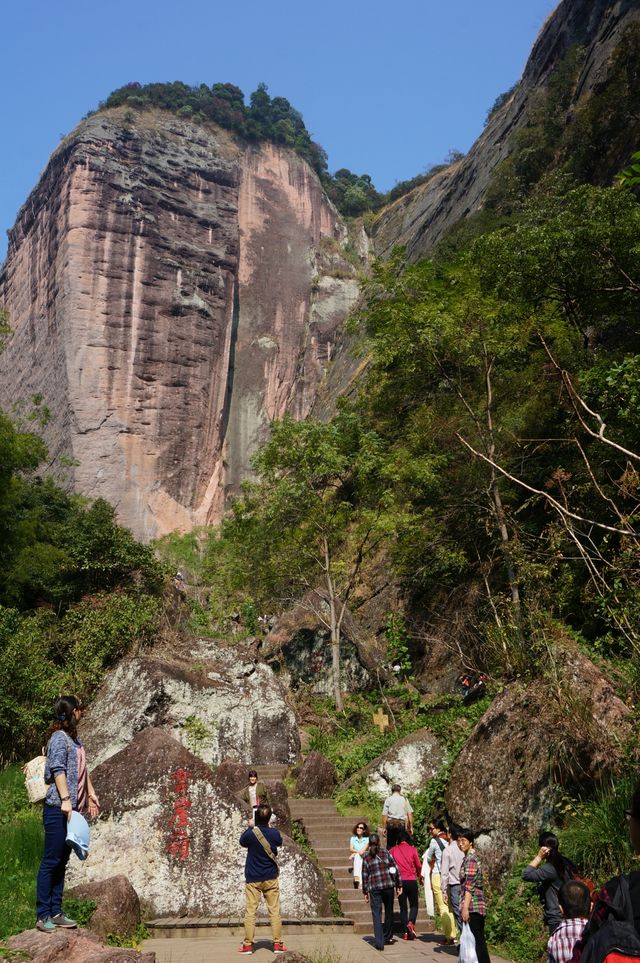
x=411 y=930
x=391 y=941
x=64 y=921
x=46 y=926
x=406 y=936
x=245 y=948
x=279 y=948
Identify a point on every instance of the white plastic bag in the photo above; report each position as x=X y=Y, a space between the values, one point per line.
x=467 y=946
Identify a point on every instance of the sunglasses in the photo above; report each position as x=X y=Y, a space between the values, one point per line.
x=360 y=827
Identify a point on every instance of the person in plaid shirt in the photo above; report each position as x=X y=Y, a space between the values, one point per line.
x=473 y=908
x=575 y=903
x=380 y=877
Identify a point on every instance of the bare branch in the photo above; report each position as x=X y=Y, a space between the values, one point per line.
x=537 y=491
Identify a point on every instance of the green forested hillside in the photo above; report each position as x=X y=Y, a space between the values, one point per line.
x=76 y=591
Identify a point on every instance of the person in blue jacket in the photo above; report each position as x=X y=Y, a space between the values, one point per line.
x=71 y=789
x=261 y=873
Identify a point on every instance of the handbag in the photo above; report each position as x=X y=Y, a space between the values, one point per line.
x=467 y=946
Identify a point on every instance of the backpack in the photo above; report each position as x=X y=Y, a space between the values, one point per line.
x=34 y=782
x=610 y=936
x=36 y=785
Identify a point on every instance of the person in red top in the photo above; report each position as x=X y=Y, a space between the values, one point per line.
x=410 y=867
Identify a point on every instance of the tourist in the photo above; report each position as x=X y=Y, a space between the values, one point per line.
x=409 y=864
x=397 y=814
x=473 y=907
x=549 y=869
x=71 y=789
x=437 y=846
x=358 y=845
x=261 y=878
x=450 y=875
x=380 y=878
x=256 y=793
x=575 y=902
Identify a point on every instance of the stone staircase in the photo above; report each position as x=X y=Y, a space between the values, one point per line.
x=329 y=834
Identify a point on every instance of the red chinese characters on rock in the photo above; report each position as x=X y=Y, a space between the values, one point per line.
x=179 y=840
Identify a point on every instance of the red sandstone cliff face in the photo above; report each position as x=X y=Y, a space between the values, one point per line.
x=169 y=293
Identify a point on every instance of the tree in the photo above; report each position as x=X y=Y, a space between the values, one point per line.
x=316 y=515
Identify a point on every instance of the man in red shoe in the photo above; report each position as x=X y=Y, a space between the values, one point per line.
x=261 y=875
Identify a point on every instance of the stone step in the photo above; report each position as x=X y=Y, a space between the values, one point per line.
x=207 y=927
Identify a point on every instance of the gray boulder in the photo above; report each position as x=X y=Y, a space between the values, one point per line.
x=526 y=744
x=317 y=777
x=411 y=762
x=212 y=698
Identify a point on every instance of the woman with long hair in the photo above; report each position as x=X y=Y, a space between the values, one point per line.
x=549 y=869
x=380 y=877
x=71 y=789
x=358 y=845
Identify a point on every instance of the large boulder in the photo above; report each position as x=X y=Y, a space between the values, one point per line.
x=117 y=905
x=173 y=831
x=317 y=777
x=411 y=762
x=71 y=946
x=213 y=698
x=299 y=648
x=531 y=739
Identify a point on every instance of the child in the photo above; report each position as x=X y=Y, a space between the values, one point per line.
x=575 y=903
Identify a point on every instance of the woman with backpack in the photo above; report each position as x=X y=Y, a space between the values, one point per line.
x=70 y=789
x=549 y=869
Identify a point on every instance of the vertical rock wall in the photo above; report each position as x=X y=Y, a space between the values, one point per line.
x=169 y=295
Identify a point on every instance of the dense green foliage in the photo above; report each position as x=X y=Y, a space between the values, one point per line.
x=76 y=592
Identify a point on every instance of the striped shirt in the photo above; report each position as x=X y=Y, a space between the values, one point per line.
x=471 y=882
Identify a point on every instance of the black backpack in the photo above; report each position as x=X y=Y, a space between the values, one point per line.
x=610 y=936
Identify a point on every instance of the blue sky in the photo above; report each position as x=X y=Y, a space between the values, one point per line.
x=386 y=88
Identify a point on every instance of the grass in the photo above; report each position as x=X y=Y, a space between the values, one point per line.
x=20 y=853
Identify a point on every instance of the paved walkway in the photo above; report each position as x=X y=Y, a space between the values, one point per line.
x=329 y=947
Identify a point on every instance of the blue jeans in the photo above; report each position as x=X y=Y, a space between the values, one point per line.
x=382 y=931
x=454 y=903
x=50 y=883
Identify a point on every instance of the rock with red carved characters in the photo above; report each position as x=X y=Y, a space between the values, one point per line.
x=167 y=826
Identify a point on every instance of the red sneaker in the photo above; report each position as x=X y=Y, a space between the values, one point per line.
x=406 y=936
x=411 y=930
x=279 y=948
x=246 y=948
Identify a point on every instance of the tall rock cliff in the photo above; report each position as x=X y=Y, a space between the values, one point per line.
x=170 y=292
x=594 y=29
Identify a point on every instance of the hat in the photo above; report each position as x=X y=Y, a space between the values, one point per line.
x=78 y=835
